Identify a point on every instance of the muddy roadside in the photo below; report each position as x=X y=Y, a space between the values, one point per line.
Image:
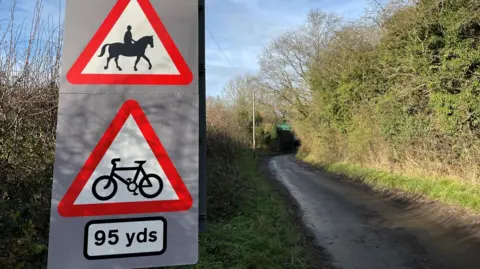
x=320 y=258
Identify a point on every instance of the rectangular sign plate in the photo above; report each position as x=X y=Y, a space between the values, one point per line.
x=127 y=140
x=119 y=238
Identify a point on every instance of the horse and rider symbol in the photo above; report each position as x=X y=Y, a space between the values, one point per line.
x=105 y=187
x=129 y=48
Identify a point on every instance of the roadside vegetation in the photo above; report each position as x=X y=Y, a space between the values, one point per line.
x=249 y=226
x=252 y=228
x=391 y=98
x=405 y=100
x=447 y=190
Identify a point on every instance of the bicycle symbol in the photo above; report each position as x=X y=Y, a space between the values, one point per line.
x=109 y=182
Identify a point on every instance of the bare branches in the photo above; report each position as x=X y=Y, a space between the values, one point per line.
x=29 y=55
x=29 y=65
x=285 y=64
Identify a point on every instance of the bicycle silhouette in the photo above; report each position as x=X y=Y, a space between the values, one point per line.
x=132 y=186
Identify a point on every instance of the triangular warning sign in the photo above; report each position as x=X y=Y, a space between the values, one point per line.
x=131 y=47
x=128 y=172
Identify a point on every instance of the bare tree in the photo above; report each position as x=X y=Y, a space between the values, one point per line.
x=286 y=62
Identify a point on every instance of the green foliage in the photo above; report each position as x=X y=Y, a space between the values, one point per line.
x=248 y=224
x=26 y=169
x=445 y=190
x=405 y=91
x=259 y=232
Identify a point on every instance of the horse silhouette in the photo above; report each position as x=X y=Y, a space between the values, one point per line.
x=137 y=49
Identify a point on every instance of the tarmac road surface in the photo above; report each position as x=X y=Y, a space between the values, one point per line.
x=358 y=228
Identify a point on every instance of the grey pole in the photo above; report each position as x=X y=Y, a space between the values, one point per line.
x=253 y=120
x=202 y=218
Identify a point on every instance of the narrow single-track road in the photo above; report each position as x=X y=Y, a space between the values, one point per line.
x=359 y=228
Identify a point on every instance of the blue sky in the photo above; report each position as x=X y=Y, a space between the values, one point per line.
x=242 y=28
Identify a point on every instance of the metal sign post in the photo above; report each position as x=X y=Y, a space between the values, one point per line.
x=202 y=119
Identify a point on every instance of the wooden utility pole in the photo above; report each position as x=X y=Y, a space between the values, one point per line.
x=253 y=120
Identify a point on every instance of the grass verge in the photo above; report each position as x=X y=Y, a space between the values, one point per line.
x=262 y=234
x=259 y=233
x=449 y=191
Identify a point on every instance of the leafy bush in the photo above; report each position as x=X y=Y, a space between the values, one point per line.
x=406 y=99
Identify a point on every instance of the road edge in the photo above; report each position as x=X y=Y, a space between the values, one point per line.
x=318 y=255
x=463 y=218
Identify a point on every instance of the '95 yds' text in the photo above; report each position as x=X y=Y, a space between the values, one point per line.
x=125 y=237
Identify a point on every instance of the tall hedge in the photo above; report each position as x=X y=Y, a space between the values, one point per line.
x=403 y=93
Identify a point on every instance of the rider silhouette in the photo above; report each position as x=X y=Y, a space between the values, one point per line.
x=127 y=39
x=130 y=48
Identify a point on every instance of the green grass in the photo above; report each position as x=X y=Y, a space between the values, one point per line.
x=446 y=190
x=261 y=233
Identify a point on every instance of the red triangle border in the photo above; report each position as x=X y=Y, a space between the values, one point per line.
x=67 y=208
x=75 y=76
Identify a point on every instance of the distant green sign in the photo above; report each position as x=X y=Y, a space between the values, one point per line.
x=284 y=127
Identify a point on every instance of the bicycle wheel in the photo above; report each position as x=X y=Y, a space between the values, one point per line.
x=152 y=180
x=107 y=183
